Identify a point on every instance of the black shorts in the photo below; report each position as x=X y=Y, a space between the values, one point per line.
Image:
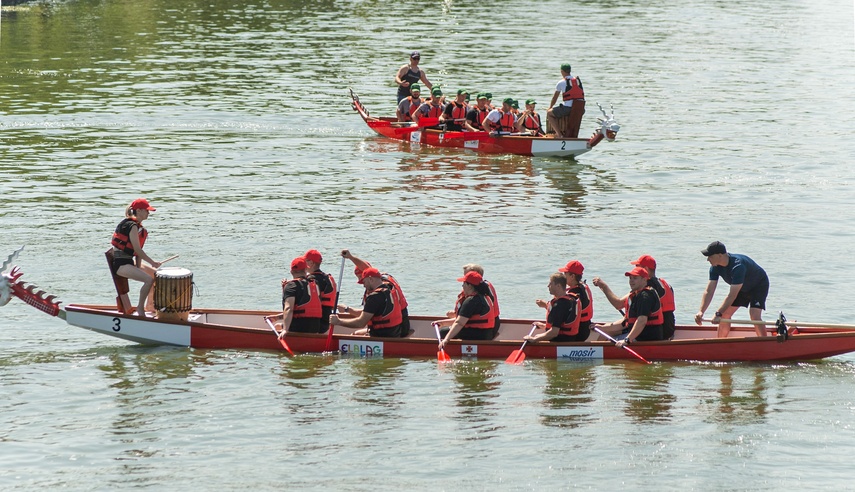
x=755 y=298
x=118 y=262
x=305 y=325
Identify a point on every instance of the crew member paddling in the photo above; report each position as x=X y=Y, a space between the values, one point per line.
x=530 y=119
x=128 y=255
x=573 y=271
x=454 y=114
x=643 y=318
x=380 y=316
x=301 y=301
x=562 y=314
x=501 y=120
x=475 y=318
x=326 y=285
x=409 y=105
x=396 y=292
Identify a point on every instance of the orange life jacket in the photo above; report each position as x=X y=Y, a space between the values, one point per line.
x=532 y=122
x=653 y=319
x=459 y=110
x=667 y=300
x=567 y=327
x=414 y=106
x=307 y=302
x=485 y=321
x=391 y=315
x=586 y=312
x=121 y=237
x=328 y=297
x=573 y=89
x=434 y=111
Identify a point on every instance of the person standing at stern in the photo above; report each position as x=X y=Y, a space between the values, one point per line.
x=410 y=74
x=749 y=286
x=128 y=255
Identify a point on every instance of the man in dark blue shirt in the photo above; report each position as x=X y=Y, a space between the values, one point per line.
x=749 y=286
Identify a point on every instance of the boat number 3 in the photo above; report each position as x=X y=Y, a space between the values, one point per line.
x=563 y=144
x=117 y=324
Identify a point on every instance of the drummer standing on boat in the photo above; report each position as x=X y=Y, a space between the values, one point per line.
x=569 y=89
x=749 y=286
x=128 y=255
x=410 y=74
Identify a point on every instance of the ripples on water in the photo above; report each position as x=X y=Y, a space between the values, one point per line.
x=235 y=121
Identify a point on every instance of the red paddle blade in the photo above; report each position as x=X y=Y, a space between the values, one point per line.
x=516 y=357
x=285 y=346
x=328 y=347
x=428 y=122
x=442 y=356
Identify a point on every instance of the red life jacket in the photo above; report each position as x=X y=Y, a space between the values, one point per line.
x=391 y=315
x=397 y=293
x=506 y=122
x=567 y=327
x=532 y=122
x=414 y=106
x=482 y=113
x=573 y=89
x=459 y=110
x=328 y=296
x=667 y=301
x=653 y=319
x=483 y=321
x=307 y=302
x=495 y=298
x=585 y=312
x=121 y=237
x=432 y=112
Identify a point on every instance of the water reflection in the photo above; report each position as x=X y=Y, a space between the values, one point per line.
x=745 y=402
x=477 y=387
x=375 y=386
x=568 y=392
x=648 y=398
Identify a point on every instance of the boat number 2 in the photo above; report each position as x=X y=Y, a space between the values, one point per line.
x=563 y=144
x=117 y=324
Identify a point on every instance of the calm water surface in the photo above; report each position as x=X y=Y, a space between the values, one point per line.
x=234 y=120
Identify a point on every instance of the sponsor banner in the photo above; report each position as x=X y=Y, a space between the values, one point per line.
x=580 y=353
x=416 y=137
x=470 y=144
x=471 y=350
x=357 y=348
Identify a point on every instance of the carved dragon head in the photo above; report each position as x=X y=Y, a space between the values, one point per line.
x=6 y=280
x=10 y=285
x=608 y=128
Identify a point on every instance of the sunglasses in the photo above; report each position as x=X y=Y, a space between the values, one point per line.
x=415 y=58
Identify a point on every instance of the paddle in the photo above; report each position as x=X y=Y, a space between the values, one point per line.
x=441 y=355
x=281 y=340
x=633 y=352
x=328 y=347
x=518 y=356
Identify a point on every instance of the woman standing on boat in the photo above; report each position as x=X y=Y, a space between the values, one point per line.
x=128 y=255
x=410 y=74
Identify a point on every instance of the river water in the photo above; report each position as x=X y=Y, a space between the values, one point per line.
x=234 y=120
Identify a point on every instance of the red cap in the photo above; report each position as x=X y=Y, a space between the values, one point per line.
x=473 y=278
x=645 y=261
x=572 y=266
x=369 y=272
x=313 y=255
x=142 y=204
x=299 y=263
x=638 y=272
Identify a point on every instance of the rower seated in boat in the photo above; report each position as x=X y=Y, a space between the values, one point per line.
x=643 y=318
x=432 y=108
x=490 y=292
x=397 y=293
x=530 y=119
x=502 y=120
x=562 y=314
x=410 y=104
x=326 y=285
x=476 y=114
x=380 y=316
x=301 y=301
x=476 y=315
x=454 y=114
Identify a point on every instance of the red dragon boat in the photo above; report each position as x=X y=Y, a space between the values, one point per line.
x=488 y=143
x=249 y=330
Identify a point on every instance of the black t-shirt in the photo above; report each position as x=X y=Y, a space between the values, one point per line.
x=563 y=310
x=297 y=289
x=376 y=302
x=472 y=306
x=474 y=117
x=323 y=281
x=582 y=292
x=449 y=114
x=644 y=303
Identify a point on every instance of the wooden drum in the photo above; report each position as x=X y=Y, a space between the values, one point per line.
x=173 y=293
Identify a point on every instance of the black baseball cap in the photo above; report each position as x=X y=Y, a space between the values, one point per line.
x=715 y=247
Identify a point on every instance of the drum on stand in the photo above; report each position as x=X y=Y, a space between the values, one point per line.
x=173 y=293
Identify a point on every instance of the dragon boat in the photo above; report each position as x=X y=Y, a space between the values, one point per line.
x=250 y=330
x=487 y=143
